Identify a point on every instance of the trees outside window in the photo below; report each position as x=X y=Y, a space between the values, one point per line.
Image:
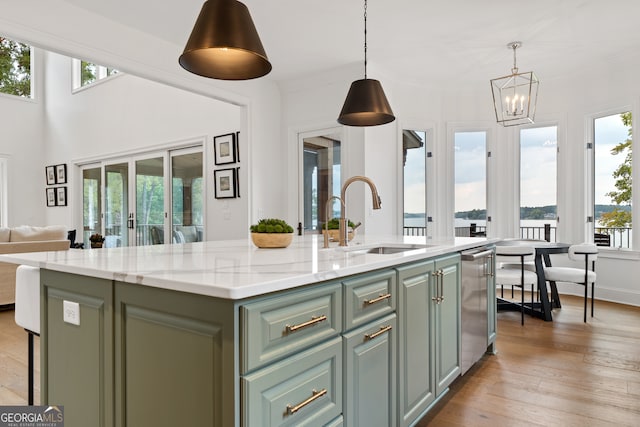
x=612 y=160
x=15 y=68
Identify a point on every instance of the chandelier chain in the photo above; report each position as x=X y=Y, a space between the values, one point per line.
x=514 y=70
x=365 y=39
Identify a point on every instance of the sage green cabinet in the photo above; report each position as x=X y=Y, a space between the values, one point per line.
x=173 y=350
x=370 y=374
x=447 y=322
x=428 y=333
x=77 y=364
x=304 y=389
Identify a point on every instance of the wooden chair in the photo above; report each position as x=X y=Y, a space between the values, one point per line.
x=584 y=252
x=518 y=277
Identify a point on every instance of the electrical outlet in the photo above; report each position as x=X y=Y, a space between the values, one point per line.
x=71 y=312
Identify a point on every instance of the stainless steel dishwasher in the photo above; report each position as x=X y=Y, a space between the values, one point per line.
x=477 y=269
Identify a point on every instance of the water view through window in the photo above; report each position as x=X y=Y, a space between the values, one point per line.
x=470 y=182
x=538 y=181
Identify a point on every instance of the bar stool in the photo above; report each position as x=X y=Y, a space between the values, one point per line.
x=27 y=311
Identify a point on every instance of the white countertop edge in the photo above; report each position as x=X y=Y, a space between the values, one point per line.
x=362 y=263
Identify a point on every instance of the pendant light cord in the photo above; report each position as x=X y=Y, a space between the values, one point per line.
x=514 y=70
x=365 y=39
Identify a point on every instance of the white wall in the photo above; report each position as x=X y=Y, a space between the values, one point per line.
x=21 y=144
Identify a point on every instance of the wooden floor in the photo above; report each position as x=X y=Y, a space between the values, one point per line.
x=560 y=373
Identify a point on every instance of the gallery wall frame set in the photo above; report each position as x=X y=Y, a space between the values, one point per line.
x=56 y=174
x=226 y=152
x=56 y=196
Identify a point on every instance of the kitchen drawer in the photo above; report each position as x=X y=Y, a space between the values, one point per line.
x=369 y=296
x=302 y=390
x=278 y=326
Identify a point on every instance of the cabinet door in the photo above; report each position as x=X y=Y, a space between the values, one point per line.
x=77 y=359
x=415 y=343
x=370 y=361
x=447 y=322
x=173 y=350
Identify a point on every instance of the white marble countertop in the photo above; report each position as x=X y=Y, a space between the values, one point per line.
x=236 y=269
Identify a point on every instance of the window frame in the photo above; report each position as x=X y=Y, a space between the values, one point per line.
x=589 y=167
x=102 y=75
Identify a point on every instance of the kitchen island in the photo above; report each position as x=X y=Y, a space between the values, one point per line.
x=226 y=334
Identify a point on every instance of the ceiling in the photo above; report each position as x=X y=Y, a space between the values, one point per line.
x=452 y=42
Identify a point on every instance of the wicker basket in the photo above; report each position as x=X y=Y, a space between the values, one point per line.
x=271 y=240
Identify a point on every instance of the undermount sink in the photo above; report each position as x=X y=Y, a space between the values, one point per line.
x=386 y=249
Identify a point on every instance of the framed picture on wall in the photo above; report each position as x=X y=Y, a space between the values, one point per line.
x=51 y=196
x=50 y=172
x=225 y=183
x=61 y=196
x=224 y=147
x=61 y=174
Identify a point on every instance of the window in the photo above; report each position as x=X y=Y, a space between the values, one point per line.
x=414 y=168
x=15 y=68
x=612 y=180
x=538 y=182
x=470 y=183
x=86 y=73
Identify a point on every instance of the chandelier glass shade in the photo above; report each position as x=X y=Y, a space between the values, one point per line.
x=515 y=96
x=224 y=44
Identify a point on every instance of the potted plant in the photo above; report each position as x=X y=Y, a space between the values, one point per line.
x=334 y=227
x=271 y=233
x=96 y=240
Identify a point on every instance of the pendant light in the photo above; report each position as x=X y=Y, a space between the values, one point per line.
x=224 y=44
x=515 y=95
x=366 y=103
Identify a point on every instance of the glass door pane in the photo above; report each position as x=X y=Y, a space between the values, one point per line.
x=117 y=205
x=187 y=207
x=470 y=183
x=415 y=182
x=91 y=204
x=538 y=183
x=321 y=179
x=150 y=211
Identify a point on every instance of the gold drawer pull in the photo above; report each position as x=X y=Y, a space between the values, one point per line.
x=314 y=396
x=382 y=330
x=381 y=297
x=313 y=321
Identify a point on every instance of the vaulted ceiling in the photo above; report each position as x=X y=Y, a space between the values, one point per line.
x=453 y=42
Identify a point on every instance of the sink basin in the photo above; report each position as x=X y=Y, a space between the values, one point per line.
x=383 y=250
x=386 y=249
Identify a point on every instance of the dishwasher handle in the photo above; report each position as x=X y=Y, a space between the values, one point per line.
x=472 y=256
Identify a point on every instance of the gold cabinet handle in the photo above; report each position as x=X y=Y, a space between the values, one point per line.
x=314 y=396
x=382 y=330
x=441 y=286
x=313 y=321
x=381 y=297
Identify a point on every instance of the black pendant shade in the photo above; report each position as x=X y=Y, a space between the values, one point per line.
x=366 y=105
x=224 y=44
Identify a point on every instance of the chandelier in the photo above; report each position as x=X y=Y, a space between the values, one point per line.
x=515 y=95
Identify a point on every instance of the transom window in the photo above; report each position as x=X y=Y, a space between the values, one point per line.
x=87 y=73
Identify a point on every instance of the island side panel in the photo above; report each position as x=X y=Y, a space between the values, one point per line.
x=77 y=360
x=174 y=350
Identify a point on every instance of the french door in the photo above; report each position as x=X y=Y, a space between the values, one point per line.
x=145 y=200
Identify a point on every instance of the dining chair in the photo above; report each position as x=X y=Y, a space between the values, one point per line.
x=587 y=252
x=517 y=277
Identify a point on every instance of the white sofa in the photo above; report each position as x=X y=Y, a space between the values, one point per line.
x=22 y=239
